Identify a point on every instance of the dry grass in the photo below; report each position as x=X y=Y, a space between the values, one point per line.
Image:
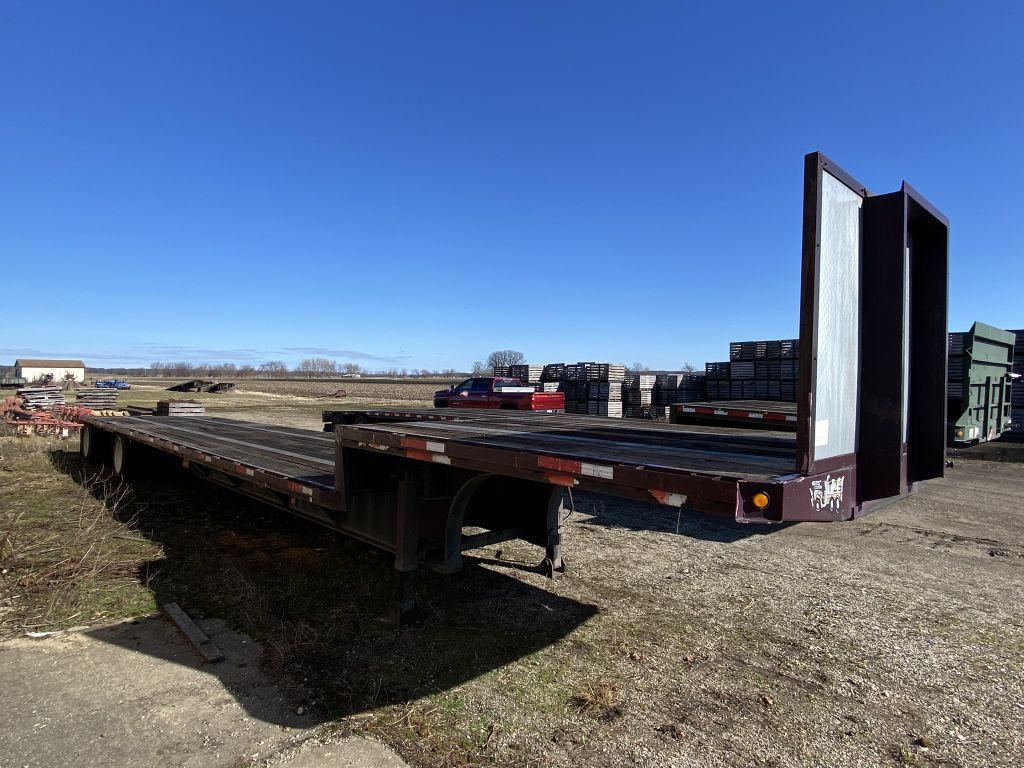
x=68 y=553
x=601 y=700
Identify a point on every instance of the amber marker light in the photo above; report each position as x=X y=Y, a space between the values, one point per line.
x=761 y=500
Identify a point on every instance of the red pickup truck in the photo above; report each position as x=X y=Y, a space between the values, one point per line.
x=492 y=392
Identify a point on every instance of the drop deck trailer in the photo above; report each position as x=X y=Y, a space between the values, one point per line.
x=429 y=485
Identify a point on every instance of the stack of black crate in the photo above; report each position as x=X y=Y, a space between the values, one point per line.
x=637 y=394
x=604 y=389
x=594 y=389
x=575 y=388
x=756 y=370
x=673 y=388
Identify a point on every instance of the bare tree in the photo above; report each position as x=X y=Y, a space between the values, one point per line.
x=503 y=357
x=273 y=366
x=317 y=367
x=480 y=368
x=687 y=368
x=245 y=371
x=351 y=369
x=637 y=368
x=222 y=369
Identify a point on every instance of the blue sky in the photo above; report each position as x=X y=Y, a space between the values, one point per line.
x=416 y=184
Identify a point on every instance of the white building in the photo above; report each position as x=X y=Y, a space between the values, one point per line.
x=36 y=369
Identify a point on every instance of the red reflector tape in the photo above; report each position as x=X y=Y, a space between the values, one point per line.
x=564 y=465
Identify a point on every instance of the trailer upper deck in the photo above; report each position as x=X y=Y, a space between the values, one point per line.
x=702 y=467
x=716 y=452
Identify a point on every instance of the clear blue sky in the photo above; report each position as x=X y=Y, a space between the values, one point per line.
x=416 y=184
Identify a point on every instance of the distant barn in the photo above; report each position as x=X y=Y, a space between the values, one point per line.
x=36 y=369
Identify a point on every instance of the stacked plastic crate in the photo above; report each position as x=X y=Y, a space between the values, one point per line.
x=756 y=370
x=716 y=380
x=637 y=393
x=594 y=389
x=575 y=387
x=604 y=388
x=528 y=374
x=672 y=388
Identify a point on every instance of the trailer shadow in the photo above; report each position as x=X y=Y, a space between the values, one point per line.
x=313 y=600
x=612 y=512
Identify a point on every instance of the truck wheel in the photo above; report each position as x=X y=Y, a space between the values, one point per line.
x=119 y=454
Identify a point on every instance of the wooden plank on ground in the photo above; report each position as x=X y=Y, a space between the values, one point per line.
x=193 y=634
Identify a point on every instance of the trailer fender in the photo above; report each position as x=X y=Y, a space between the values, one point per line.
x=530 y=510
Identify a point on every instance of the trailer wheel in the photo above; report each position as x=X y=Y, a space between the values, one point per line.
x=119 y=454
x=86 y=446
x=93 y=445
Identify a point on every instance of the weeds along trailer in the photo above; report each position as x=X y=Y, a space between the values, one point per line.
x=980 y=371
x=870 y=421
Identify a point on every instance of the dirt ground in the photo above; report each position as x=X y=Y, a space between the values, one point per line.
x=135 y=693
x=897 y=639
x=298 y=403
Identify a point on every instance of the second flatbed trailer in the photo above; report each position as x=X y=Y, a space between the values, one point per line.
x=428 y=485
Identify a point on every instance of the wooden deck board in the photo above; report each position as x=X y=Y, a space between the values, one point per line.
x=300 y=454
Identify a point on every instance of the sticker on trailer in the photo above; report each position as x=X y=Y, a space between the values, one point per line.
x=597 y=470
x=827 y=493
x=820 y=433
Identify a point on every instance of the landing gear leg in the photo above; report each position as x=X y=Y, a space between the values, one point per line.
x=553 y=564
x=402 y=610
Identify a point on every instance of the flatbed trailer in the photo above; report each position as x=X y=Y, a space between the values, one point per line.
x=428 y=485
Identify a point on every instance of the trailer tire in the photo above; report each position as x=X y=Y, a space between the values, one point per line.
x=93 y=445
x=87 y=445
x=120 y=455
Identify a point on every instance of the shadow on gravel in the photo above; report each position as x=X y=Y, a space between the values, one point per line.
x=313 y=598
x=1009 y=447
x=595 y=509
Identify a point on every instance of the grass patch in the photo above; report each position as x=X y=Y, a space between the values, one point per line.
x=601 y=700
x=68 y=553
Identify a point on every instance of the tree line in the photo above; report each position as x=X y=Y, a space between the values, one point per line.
x=310 y=367
x=325 y=368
